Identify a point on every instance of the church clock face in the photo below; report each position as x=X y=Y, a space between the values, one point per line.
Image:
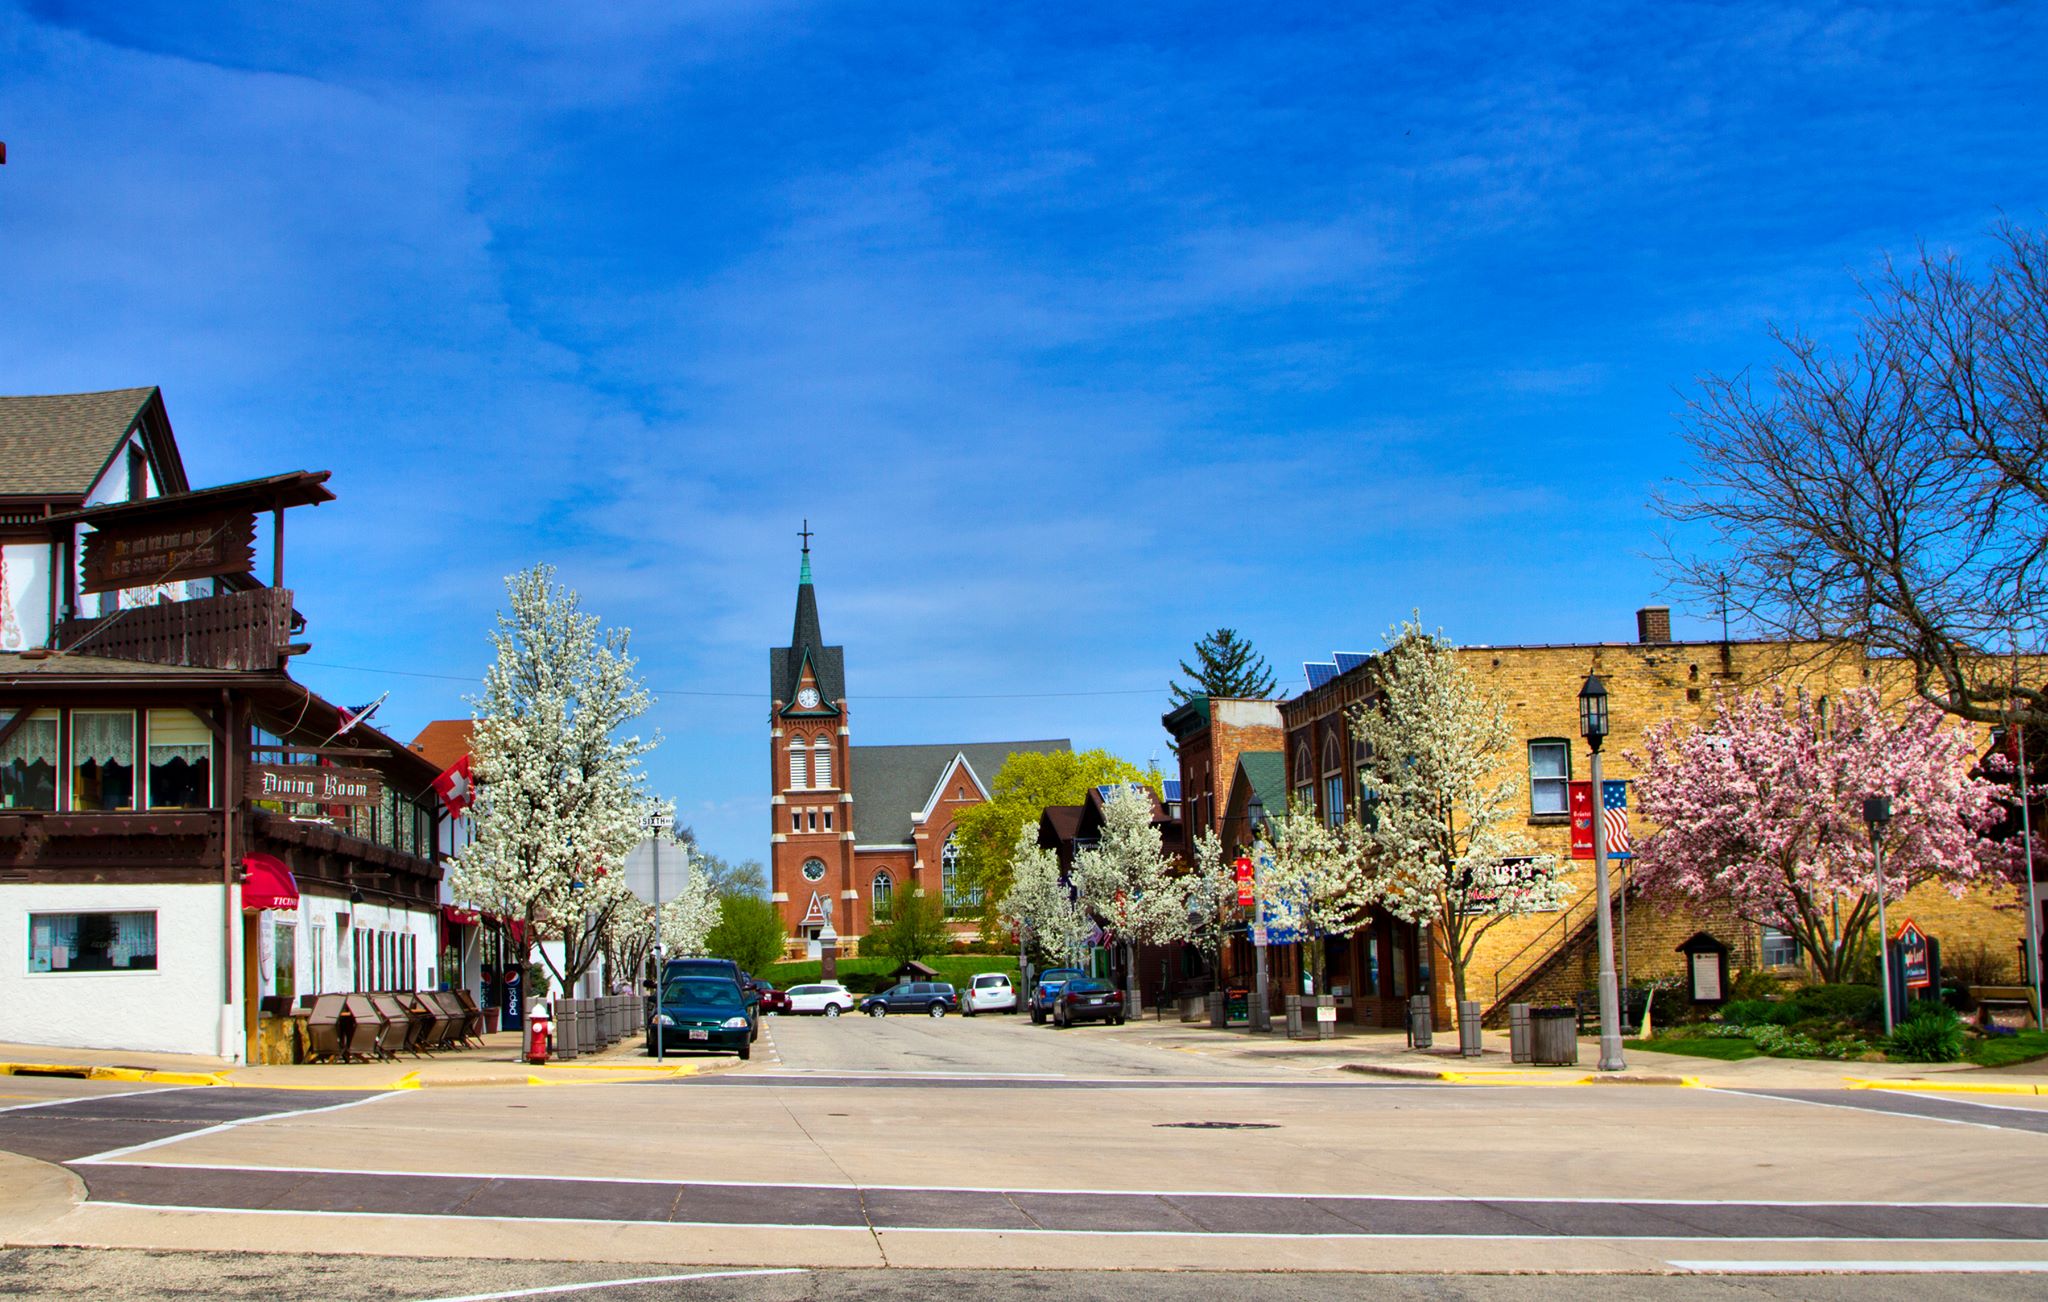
x=814 y=870
x=807 y=698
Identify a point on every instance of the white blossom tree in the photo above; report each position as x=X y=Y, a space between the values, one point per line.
x=1440 y=817
x=560 y=793
x=1041 y=902
x=1126 y=880
x=1209 y=891
x=1315 y=880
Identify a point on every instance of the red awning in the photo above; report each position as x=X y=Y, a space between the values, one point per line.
x=267 y=884
x=456 y=916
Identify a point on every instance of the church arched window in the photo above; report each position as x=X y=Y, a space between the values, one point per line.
x=797 y=765
x=880 y=892
x=821 y=763
x=957 y=899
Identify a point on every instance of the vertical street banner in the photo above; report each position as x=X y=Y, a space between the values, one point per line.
x=1614 y=820
x=1582 y=819
x=1244 y=880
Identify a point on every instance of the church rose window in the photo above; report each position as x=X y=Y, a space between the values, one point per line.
x=814 y=870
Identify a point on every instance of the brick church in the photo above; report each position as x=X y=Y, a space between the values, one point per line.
x=855 y=828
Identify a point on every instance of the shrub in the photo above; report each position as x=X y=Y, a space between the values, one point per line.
x=1760 y=1012
x=1783 y=1042
x=1978 y=965
x=1932 y=1034
x=1756 y=983
x=1856 y=1003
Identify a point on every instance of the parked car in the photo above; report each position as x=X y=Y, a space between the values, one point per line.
x=1089 y=999
x=988 y=992
x=934 y=998
x=704 y=1010
x=1047 y=989
x=772 y=1000
x=826 y=998
x=730 y=971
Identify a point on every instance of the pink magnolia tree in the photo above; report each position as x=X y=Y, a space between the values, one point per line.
x=1761 y=812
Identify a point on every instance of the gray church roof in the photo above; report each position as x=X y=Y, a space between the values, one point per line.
x=890 y=783
x=786 y=663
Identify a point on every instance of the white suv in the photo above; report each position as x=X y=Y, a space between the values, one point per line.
x=827 y=997
x=988 y=992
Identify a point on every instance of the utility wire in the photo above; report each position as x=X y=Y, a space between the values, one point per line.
x=755 y=696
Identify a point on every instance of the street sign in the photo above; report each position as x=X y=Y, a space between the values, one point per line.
x=1258 y=934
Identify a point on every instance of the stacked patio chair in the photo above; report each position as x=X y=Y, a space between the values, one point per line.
x=324 y=1028
x=472 y=1018
x=364 y=1027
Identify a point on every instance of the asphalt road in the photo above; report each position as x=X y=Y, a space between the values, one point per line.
x=996 y=1148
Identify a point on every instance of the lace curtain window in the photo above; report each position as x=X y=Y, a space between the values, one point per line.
x=180 y=761
x=102 y=738
x=92 y=942
x=28 y=764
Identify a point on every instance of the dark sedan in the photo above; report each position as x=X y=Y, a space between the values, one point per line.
x=1046 y=991
x=701 y=1012
x=1088 y=999
x=933 y=998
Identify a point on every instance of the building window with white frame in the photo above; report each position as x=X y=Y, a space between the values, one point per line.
x=92 y=942
x=1550 y=776
x=28 y=764
x=1778 y=948
x=102 y=759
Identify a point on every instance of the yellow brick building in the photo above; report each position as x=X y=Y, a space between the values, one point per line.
x=1551 y=956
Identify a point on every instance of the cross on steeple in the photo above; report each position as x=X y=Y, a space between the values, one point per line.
x=805 y=534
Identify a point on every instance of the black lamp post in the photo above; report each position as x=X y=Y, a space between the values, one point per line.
x=1593 y=727
x=1877 y=814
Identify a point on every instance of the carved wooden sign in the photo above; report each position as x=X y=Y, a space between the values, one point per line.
x=138 y=555
x=315 y=784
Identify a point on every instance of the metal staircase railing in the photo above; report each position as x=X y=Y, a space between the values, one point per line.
x=1548 y=943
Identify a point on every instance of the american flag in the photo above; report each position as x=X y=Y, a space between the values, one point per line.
x=1614 y=817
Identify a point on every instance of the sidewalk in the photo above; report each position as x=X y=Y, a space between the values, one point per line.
x=1379 y=1052
x=499 y=1062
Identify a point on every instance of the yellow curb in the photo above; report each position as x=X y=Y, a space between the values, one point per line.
x=409 y=1081
x=1961 y=1087
x=669 y=1068
x=83 y=1071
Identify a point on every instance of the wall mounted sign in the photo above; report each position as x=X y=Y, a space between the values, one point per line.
x=315 y=784
x=139 y=555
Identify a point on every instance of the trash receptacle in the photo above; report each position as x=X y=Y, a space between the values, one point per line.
x=1554 y=1035
x=1421 y=1023
x=1518 y=1032
x=1469 y=1044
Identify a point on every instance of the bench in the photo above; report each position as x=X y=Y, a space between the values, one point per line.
x=2007 y=997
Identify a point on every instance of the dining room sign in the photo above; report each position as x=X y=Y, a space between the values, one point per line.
x=315 y=784
x=143 y=555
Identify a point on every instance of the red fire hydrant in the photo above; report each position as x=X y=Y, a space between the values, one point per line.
x=538 y=1037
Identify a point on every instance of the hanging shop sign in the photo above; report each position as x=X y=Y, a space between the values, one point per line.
x=141 y=555
x=315 y=784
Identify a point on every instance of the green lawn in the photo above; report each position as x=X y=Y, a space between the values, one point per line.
x=953 y=968
x=1731 y=1049
x=2005 y=1050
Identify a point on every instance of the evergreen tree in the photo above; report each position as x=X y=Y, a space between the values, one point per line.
x=1225 y=665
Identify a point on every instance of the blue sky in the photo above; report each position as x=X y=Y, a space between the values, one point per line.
x=1076 y=331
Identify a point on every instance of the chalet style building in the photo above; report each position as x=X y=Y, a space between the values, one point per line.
x=854 y=828
x=190 y=840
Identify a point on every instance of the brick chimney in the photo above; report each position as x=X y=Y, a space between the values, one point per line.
x=1653 y=624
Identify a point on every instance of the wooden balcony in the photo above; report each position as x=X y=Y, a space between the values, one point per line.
x=245 y=631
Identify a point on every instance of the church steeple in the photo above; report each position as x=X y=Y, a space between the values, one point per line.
x=807 y=654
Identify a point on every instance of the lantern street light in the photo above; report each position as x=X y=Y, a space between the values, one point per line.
x=1877 y=812
x=1593 y=727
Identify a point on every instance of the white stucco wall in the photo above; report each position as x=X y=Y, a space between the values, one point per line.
x=25 y=601
x=174 y=1009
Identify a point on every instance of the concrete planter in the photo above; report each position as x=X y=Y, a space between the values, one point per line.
x=1219 y=1009
x=1191 y=1009
x=1468 y=1029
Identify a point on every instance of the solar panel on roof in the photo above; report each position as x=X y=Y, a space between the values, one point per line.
x=1350 y=660
x=1172 y=789
x=1319 y=672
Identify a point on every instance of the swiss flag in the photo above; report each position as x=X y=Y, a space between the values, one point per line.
x=457 y=787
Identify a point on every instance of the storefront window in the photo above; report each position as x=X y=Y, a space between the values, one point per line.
x=28 y=764
x=285 y=946
x=91 y=942
x=102 y=759
x=180 y=761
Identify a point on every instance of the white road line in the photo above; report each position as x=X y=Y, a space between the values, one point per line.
x=865 y=1230
x=617 y=1283
x=113 y=1154
x=95 y=1098
x=1975 y=1103
x=844 y=1187
x=1873 y=1267
x=1875 y=1112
